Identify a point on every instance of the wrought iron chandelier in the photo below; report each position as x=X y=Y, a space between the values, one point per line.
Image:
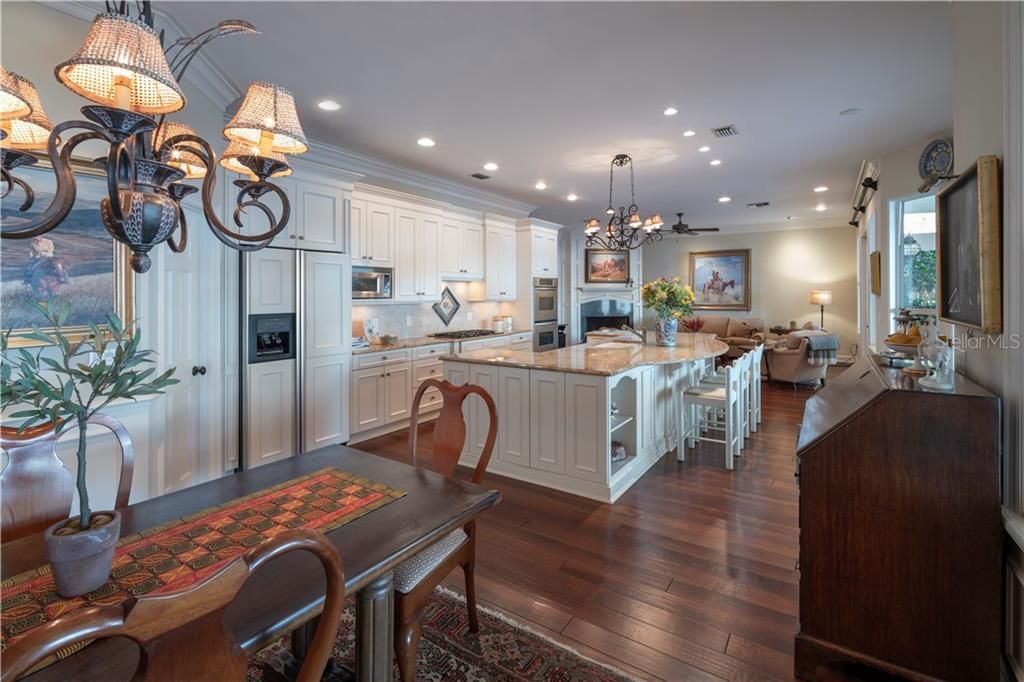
x=125 y=70
x=624 y=229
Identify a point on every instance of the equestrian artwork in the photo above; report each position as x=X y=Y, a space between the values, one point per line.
x=721 y=279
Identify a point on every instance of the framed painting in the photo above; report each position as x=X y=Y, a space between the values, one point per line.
x=876 y=273
x=721 y=279
x=607 y=267
x=78 y=262
x=968 y=258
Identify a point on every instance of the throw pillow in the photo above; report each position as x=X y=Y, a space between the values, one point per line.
x=793 y=340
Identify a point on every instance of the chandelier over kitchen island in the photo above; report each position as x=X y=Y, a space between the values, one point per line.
x=624 y=229
x=123 y=68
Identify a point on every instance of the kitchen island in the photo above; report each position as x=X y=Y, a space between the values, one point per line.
x=562 y=412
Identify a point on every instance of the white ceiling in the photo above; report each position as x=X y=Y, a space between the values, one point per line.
x=554 y=90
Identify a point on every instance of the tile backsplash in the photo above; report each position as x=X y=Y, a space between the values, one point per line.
x=393 y=317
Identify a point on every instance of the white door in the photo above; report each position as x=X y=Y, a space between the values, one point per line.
x=326 y=401
x=321 y=216
x=472 y=251
x=379 y=244
x=271 y=425
x=547 y=409
x=427 y=275
x=271 y=281
x=398 y=392
x=406 y=283
x=357 y=231
x=449 y=256
x=328 y=281
x=368 y=398
x=514 y=416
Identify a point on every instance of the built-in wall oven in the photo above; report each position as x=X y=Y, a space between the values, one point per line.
x=545 y=299
x=371 y=282
x=545 y=336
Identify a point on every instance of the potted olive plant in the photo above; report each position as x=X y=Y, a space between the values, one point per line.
x=671 y=300
x=61 y=385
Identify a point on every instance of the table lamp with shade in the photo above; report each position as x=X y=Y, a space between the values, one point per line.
x=821 y=297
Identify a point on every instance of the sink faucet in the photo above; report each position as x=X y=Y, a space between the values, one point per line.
x=640 y=333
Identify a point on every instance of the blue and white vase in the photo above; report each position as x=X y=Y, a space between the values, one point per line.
x=666 y=330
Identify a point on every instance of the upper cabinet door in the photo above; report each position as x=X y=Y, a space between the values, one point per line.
x=379 y=242
x=357 y=228
x=255 y=222
x=544 y=252
x=494 y=275
x=320 y=214
x=427 y=274
x=551 y=254
x=449 y=252
x=326 y=327
x=406 y=283
x=271 y=281
x=507 y=254
x=472 y=252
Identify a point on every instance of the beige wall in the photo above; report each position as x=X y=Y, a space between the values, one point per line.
x=785 y=265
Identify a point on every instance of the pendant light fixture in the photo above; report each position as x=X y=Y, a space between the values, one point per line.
x=625 y=229
x=132 y=81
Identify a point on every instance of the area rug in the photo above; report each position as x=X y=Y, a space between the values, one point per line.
x=502 y=651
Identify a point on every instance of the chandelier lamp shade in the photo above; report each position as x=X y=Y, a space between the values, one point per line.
x=132 y=82
x=625 y=229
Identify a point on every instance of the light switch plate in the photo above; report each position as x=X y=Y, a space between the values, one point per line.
x=408 y=321
x=469 y=317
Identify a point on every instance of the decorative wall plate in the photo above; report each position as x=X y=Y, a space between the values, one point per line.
x=936 y=159
x=447 y=306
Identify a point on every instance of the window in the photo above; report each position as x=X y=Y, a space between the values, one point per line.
x=914 y=223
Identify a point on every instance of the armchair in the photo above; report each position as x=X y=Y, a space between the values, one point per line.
x=788 y=363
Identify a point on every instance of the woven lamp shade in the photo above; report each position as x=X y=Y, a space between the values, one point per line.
x=30 y=132
x=183 y=160
x=12 y=104
x=118 y=47
x=235 y=149
x=268 y=108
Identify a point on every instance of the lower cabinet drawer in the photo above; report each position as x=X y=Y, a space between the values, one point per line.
x=431 y=401
x=362 y=361
x=521 y=337
x=427 y=370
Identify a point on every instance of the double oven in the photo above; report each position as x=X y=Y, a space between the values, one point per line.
x=545 y=313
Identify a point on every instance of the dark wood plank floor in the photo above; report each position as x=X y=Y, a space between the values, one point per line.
x=688 y=576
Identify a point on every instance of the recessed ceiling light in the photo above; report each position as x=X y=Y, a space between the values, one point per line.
x=716 y=162
x=705 y=148
x=852 y=111
x=490 y=166
x=425 y=142
x=821 y=188
x=724 y=200
x=671 y=111
x=571 y=197
x=820 y=207
x=328 y=105
x=541 y=185
x=689 y=133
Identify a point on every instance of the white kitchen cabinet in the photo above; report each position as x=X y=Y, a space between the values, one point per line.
x=373 y=234
x=326 y=328
x=416 y=267
x=271 y=389
x=368 y=399
x=485 y=376
x=272 y=281
x=521 y=341
x=648 y=432
x=586 y=447
x=544 y=253
x=326 y=401
x=461 y=250
x=547 y=414
x=319 y=211
x=500 y=264
x=397 y=392
x=514 y=416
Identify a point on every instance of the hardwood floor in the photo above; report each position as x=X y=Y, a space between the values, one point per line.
x=689 y=576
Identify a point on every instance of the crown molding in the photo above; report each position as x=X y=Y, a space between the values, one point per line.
x=202 y=74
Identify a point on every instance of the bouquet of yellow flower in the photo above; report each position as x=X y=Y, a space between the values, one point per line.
x=669 y=298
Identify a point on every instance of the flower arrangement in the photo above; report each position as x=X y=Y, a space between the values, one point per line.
x=693 y=324
x=668 y=298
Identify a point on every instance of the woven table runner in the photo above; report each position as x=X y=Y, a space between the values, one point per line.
x=176 y=555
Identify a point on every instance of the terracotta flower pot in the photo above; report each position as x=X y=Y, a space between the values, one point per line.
x=81 y=561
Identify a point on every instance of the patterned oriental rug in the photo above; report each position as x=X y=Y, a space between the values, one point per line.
x=176 y=555
x=502 y=651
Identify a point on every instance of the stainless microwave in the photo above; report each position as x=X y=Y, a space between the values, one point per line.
x=373 y=283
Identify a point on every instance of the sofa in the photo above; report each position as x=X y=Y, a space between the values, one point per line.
x=741 y=334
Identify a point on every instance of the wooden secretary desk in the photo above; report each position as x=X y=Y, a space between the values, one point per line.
x=900 y=528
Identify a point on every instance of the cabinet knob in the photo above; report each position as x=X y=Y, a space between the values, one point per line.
x=197 y=370
x=302 y=236
x=291 y=236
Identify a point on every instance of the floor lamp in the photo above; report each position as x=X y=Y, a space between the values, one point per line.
x=821 y=297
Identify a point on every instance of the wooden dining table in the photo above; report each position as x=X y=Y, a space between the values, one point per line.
x=287 y=595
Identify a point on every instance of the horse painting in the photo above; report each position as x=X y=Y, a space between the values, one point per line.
x=721 y=279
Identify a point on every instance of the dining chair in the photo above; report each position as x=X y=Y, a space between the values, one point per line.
x=37 y=488
x=181 y=635
x=416 y=579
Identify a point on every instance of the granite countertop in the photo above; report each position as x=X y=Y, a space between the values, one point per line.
x=418 y=341
x=602 y=359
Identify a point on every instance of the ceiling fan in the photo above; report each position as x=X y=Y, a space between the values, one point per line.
x=682 y=228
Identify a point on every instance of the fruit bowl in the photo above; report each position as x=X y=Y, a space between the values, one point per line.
x=908 y=348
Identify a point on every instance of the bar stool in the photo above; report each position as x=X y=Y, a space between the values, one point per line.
x=717 y=408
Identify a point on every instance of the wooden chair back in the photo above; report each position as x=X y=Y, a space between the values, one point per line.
x=37 y=488
x=450 y=427
x=181 y=636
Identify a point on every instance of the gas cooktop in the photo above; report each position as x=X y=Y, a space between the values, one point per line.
x=464 y=334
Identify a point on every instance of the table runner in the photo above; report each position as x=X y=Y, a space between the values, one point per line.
x=175 y=555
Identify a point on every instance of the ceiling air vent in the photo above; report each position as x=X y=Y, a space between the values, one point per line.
x=725 y=131
x=480 y=176
x=759 y=204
